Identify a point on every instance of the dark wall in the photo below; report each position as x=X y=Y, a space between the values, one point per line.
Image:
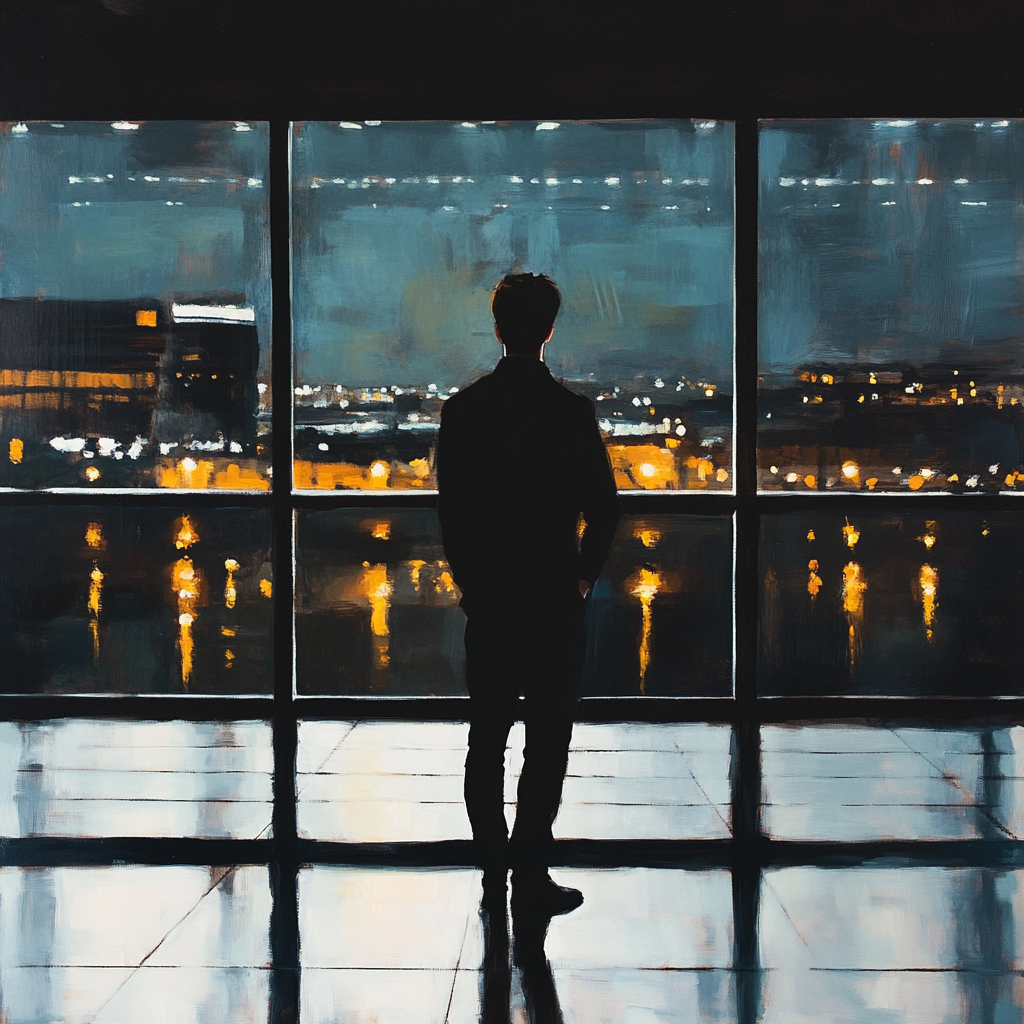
x=310 y=59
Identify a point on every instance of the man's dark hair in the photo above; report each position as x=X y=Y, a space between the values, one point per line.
x=524 y=307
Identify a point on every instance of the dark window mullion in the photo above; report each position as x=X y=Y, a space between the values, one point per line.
x=284 y=924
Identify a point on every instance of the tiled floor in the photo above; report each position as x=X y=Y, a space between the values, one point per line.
x=390 y=946
x=857 y=783
x=402 y=781
x=89 y=777
x=114 y=945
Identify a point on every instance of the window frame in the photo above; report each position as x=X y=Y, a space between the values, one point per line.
x=747 y=853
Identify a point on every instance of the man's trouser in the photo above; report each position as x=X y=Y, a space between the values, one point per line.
x=535 y=650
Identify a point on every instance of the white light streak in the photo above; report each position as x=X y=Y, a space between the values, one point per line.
x=125 y=126
x=925 y=181
x=787 y=182
x=516 y=180
x=241 y=126
x=350 y=124
x=825 y=182
x=627 y=429
x=882 y=181
x=706 y=126
x=67 y=444
x=961 y=181
x=894 y=124
x=255 y=183
x=191 y=313
x=372 y=124
x=547 y=126
x=965 y=203
x=605 y=207
x=611 y=181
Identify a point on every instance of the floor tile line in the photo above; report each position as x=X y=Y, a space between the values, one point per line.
x=334 y=750
x=455 y=973
x=713 y=806
x=778 y=899
x=142 y=963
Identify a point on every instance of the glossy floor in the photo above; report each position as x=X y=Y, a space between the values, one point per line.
x=89 y=777
x=402 y=781
x=858 y=783
x=114 y=945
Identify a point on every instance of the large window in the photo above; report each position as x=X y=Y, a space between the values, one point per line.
x=232 y=650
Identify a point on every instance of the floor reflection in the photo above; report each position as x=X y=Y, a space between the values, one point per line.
x=82 y=777
x=402 y=781
x=122 y=944
x=858 y=783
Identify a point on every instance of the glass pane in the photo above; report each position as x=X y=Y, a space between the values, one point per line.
x=891 y=305
x=891 y=603
x=135 y=305
x=130 y=943
x=393 y=944
x=401 y=230
x=855 y=783
x=133 y=600
x=86 y=777
x=377 y=611
x=387 y=782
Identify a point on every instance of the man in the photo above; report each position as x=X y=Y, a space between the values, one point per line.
x=520 y=462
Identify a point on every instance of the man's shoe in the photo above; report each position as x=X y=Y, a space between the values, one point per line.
x=542 y=896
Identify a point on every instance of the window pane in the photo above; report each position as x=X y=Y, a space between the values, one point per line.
x=401 y=230
x=377 y=611
x=135 y=305
x=123 y=600
x=891 y=305
x=117 y=943
x=87 y=777
x=891 y=603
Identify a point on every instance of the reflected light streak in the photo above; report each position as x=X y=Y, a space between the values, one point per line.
x=16 y=450
x=645 y=587
x=928 y=578
x=94 y=536
x=185 y=582
x=854 y=586
x=377 y=589
x=814 y=581
x=382 y=531
x=415 y=565
x=852 y=535
x=95 y=603
x=649 y=538
x=230 y=593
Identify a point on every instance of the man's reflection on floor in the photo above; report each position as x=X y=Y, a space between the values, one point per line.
x=529 y=930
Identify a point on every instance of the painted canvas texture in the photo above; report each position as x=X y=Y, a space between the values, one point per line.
x=135 y=305
x=891 y=326
x=377 y=610
x=401 y=231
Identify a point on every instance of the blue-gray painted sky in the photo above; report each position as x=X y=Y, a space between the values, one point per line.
x=402 y=230
x=894 y=240
x=74 y=225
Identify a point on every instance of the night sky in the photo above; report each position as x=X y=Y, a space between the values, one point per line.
x=894 y=240
x=398 y=293
x=74 y=225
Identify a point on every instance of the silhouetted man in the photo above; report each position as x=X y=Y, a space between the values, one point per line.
x=520 y=460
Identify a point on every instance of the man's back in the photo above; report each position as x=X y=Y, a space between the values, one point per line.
x=519 y=459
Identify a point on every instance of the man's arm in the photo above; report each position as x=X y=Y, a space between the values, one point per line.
x=600 y=502
x=453 y=463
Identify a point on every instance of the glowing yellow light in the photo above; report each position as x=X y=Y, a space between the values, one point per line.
x=791 y=478
x=811 y=481
x=229 y=659
x=145 y=318
x=851 y=471
x=94 y=536
x=861 y=399
x=186 y=534
x=709 y=392
x=647 y=469
x=722 y=475
x=814 y=580
x=928 y=539
x=92 y=473
x=852 y=534
x=16 y=450
x=377 y=589
x=810 y=535
x=916 y=482
x=226 y=631
x=266 y=588
x=928 y=578
x=445 y=584
x=414 y=572
x=379 y=470
x=645 y=585
x=186 y=582
x=871 y=482
x=382 y=531
x=827 y=378
x=854 y=586
x=95 y=591
x=649 y=538
x=230 y=593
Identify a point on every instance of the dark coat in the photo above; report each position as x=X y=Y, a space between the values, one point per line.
x=519 y=460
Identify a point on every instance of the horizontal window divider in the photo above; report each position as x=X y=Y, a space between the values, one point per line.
x=148 y=498
x=695 y=854
x=194 y=708
x=975 y=712
x=861 y=501
x=62 y=851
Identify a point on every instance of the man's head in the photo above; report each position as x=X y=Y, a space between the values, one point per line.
x=524 y=307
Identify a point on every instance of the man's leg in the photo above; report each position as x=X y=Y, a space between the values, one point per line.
x=551 y=691
x=492 y=709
